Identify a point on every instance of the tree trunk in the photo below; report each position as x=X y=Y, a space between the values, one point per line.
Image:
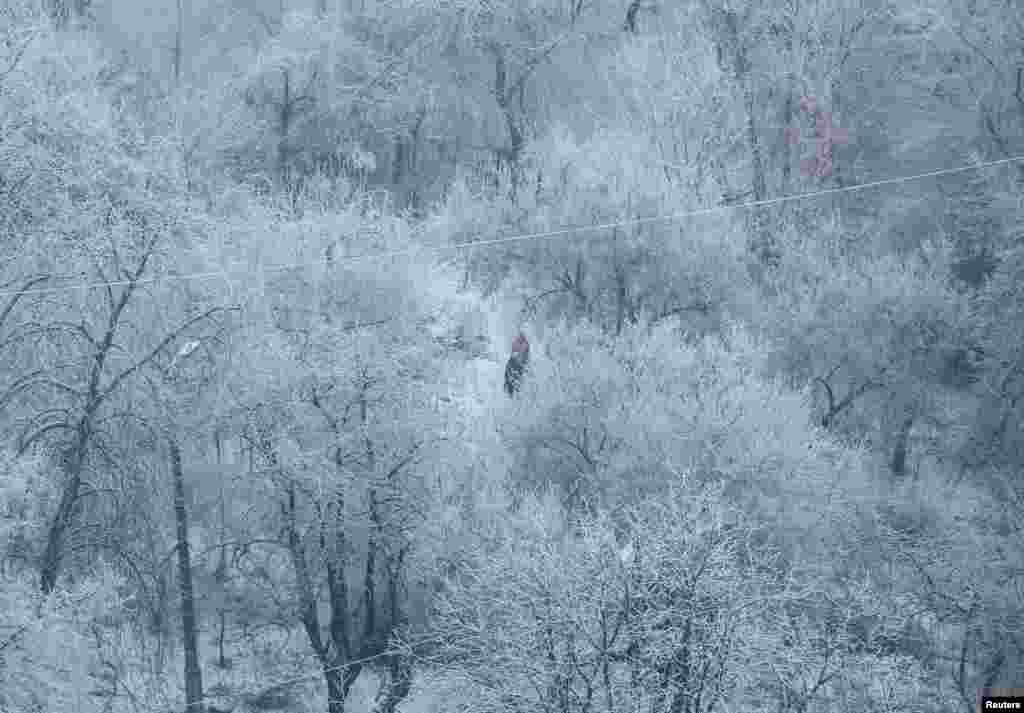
x=504 y=95
x=398 y=686
x=412 y=163
x=178 y=50
x=221 y=574
x=620 y=300
x=898 y=465
x=837 y=174
x=335 y=655
x=787 y=149
x=74 y=463
x=189 y=623
x=399 y=667
x=284 y=123
x=631 y=12
x=158 y=619
x=733 y=58
x=398 y=168
x=75 y=456
x=222 y=627
x=339 y=679
x=55 y=540
x=764 y=247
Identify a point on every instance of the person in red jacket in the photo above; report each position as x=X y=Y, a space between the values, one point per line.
x=516 y=364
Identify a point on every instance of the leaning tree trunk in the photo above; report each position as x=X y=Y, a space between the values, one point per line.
x=74 y=464
x=190 y=638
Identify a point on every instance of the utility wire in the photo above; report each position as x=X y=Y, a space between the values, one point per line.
x=542 y=235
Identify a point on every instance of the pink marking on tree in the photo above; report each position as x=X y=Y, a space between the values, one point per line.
x=824 y=151
x=808 y=104
x=827 y=134
x=818 y=166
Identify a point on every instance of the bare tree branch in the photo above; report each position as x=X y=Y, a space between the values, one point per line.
x=28 y=285
x=160 y=347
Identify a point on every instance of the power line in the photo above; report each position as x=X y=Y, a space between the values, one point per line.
x=542 y=235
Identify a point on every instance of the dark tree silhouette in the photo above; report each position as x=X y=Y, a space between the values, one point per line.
x=516 y=364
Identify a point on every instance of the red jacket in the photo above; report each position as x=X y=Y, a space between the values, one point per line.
x=516 y=365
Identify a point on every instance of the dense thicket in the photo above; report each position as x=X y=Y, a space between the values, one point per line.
x=261 y=268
